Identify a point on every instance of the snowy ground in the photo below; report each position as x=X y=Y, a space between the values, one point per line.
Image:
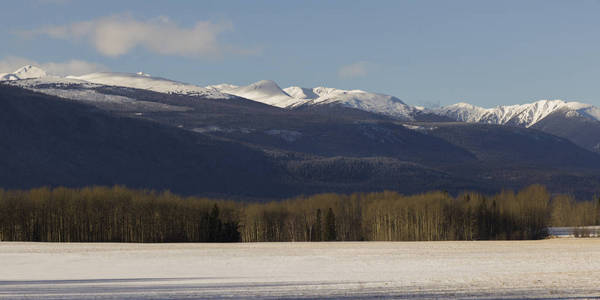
x=549 y=269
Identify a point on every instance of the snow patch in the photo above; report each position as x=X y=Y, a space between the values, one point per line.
x=214 y=128
x=419 y=127
x=567 y=232
x=287 y=135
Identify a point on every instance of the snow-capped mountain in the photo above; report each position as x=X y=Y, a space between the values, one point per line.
x=26 y=72
x=265 y=91
x=576 y=121
x=268 y=92
x=358 y=99
x=147 y=82
x=32 y=77
x=525 y=115
x=88 y=89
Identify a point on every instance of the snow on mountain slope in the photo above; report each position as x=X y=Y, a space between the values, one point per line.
x=8 y=77
x=525 y=115
x=72 y=88
x=591 y=112
x=34 y=78
x=371 y=102
x=78 y=90
x=301 y=93
x=270 y=93
x=26 y=72
x=146 y=82
x=265 y=91
x=463 y=112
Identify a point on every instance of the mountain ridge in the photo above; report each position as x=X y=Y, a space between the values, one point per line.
x=561 y=113
x=525 y=115
x=269 y=92
x=306 y=150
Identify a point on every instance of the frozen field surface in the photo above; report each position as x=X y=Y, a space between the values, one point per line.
x=547 y=269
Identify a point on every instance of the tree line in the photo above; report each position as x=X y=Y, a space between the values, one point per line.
x=119 y=214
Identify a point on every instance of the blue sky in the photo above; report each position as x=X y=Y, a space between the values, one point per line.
x=425 y=52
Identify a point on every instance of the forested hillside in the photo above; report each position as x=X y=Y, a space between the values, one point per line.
x=240 y=149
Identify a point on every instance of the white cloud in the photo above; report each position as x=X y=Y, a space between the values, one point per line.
x=357 y=69
x=11 y=63
x=117 y=35
x=71 y=67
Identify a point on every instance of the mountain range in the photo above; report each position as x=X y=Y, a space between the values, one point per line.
x=262 y=141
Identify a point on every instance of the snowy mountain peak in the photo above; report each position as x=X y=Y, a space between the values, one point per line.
x=29 y=72
x=268 y=92
x=521 y=114
x=264 y=91
x=371 y=102
x=350 y=95
x=266 y=87
x=26 y=72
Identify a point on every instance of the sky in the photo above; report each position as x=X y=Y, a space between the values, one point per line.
x=424 y=52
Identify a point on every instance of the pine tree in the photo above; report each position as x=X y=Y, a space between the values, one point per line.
x=214 y=225
x=331 y=233
x=598 y=212
x=317 y=228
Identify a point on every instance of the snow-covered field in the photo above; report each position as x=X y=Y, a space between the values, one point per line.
x=549 y=269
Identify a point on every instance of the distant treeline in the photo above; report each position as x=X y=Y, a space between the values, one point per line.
x=118 y=214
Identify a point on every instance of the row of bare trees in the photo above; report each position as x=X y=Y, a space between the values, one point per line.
x=389 y=216
x=118 y=214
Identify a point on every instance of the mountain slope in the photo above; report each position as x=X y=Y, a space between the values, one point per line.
x=49 y=141
x=455 y=155
x=147 y=82
x=52 y=141
x=329 y=140
x=576 y=126
x=242 y=148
